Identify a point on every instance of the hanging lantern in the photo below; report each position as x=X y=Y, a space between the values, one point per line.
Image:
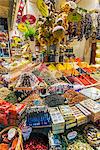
x=30 y=18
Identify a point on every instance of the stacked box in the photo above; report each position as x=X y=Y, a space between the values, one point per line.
x=4 y=107
x=84 y=111
x=4 y=119
x=58 y=122
x=93 y=107
x=4 y=113
x=80 y=117
x=17 y=114
x=11 y=114
x=68 y=115
x=38 y=116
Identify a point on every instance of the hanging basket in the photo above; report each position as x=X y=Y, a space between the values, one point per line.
x=19 y=145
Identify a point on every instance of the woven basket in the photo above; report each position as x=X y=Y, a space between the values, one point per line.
x=91 y=142
x=19 y=145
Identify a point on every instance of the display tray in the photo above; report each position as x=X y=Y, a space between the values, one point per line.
x=74 y=80
x=84 y=80
x=96 y=76
x=90 y=79
x=14 y=76
x=92 y=93
x=88 y=70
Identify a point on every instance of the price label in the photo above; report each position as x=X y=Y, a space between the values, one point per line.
x=72 y=135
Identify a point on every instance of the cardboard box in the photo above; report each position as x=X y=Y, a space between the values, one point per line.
x=58 y=122
x=93 y=107
x=80 y=117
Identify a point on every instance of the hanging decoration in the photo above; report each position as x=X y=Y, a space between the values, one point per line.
x=43 y=8
x=30 y=18
x=75 y=1
x=19 y=15
x=65 y=8
x=22 y=27
x=98 y=27
x=88 y=26
x=3 y=45
x=58 y=32
x=82 y=10
x=72 y=4
x=57 y=28
x=74 y=17
x=29 y=31
x=16 y=41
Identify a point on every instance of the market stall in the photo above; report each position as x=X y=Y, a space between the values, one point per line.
x=49 y=97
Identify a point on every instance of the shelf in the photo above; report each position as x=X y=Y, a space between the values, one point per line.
x=39 y=127
x=24 y=88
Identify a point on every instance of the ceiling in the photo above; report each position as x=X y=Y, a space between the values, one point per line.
x=4 y=6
